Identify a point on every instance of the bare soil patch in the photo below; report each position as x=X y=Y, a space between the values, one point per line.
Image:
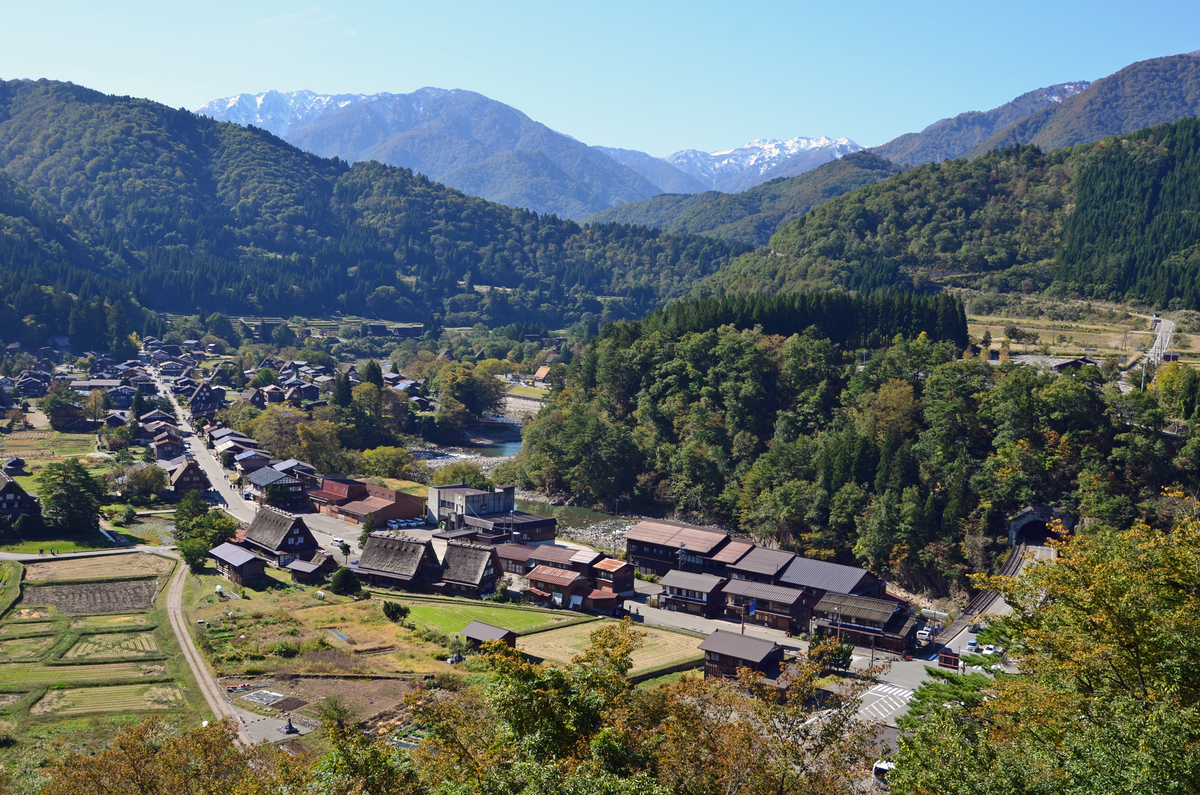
x=133 y=564
x=368 y=696
x=103 y=622
x=8 y=699
x=92 y=598
x=31 y=614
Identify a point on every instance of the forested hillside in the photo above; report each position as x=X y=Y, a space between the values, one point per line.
x=753 y=215
x=908 y=464
x=1117 y=219
x=181 y=213
x=1140 y=95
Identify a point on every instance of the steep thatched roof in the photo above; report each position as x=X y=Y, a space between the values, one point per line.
x=400 y=557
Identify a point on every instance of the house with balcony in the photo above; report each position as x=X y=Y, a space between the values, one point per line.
x=655 y=547
x=864 y=621
x=726 y=652
x=686 y=592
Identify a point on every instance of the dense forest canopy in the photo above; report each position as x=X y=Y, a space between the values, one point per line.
x=176 y=212
x=1114 y=220
x=908 y=463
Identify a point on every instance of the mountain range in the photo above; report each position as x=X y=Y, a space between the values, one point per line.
x=486 y=148
x=1140 y=95
x=131 y=201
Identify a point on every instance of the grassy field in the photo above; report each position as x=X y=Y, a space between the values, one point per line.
x=449 y=617
x=133 y=564
x=67 y=682
x=660 y=648
x=87 y=543
x=520 y=390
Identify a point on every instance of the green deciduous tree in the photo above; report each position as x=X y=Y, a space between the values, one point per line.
x=70 y=496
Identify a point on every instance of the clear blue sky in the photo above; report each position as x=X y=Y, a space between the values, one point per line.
x=652 y=76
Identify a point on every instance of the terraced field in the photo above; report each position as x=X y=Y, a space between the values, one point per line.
x=120 y=645
x=26 y=628
x=33 y=674
x=104 y=622
x=132 y=564
x=24 y=648
x=92 y=598
x=118 y=698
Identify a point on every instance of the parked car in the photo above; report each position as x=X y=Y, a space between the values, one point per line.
x=924 y=635
x=989 y=649
x=337 y=542
x=972 y=645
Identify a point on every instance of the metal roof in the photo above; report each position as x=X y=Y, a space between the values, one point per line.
x=611 y=564
x=551 y=574
x=732 y=552
x=768 y=562
x=822 y=575
x=233 y=555
x=703 y=583
x=700 y=540
x=742 y=647
x=477 y=630
x=863 y=607
x=758 y=590
x=586 y=556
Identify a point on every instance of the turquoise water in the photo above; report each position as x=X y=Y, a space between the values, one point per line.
x=498 y=450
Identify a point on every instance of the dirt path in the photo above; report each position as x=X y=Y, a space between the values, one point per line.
x=204 y=680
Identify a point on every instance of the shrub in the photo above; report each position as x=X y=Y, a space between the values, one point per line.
x=286 y=649
x=394 y=611
x=343 y=581
x=315 y=644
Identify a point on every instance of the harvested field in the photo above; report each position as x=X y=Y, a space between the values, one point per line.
x=32 y=614
x=24 y=649
x=103 y=622
x=34 y=674
x=132 y=564
x=91 y=598
x=119 y=698
x=27 y=628
x=118 y=645
x=8 y=699
x=659 y=648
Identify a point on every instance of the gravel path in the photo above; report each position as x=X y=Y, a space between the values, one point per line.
x=213 y=694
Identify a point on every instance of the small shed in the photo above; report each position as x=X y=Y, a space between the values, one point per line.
x=477 y=633
x=237 y=565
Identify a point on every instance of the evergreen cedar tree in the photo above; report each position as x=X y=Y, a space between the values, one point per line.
x=908 y=460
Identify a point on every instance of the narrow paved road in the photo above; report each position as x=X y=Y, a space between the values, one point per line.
x=204 y=678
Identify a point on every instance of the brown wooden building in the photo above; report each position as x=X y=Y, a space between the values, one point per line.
x=15 y=501
x=238 y=565
x=468 y=570
x=686 y=592
x=477 y=633
x=863 y=621
x=280 y=537
x=726 y=652
x=390 y=562
x=775 y=606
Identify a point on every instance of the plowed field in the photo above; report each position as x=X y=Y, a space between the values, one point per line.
x=132 y=564
x=91 y=598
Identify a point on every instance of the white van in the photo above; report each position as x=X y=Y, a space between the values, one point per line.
x=972 y=646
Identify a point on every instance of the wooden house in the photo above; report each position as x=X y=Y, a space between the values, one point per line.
x=280 y=537
x=15 y=501
x=726 y=652
x=405 y=563
x=238 y=565
x=477 y=633
x=686 y=592
x=468 y=570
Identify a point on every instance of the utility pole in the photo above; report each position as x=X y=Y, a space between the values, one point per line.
x=838 y=611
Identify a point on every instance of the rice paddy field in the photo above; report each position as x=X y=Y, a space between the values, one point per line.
x=661 y=649
x=84 y=653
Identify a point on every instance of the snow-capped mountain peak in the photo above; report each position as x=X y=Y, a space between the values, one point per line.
x=759 y=160
x=280 y=112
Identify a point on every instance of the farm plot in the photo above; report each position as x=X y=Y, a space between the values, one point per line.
x=27 y=628
x=24 y=649
x=92 y=598
x=659 y=648
x=132 y=564
x=118 y=645
x=34 y=674
x=104 y=622
x=119 y=698
x=451 y=617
